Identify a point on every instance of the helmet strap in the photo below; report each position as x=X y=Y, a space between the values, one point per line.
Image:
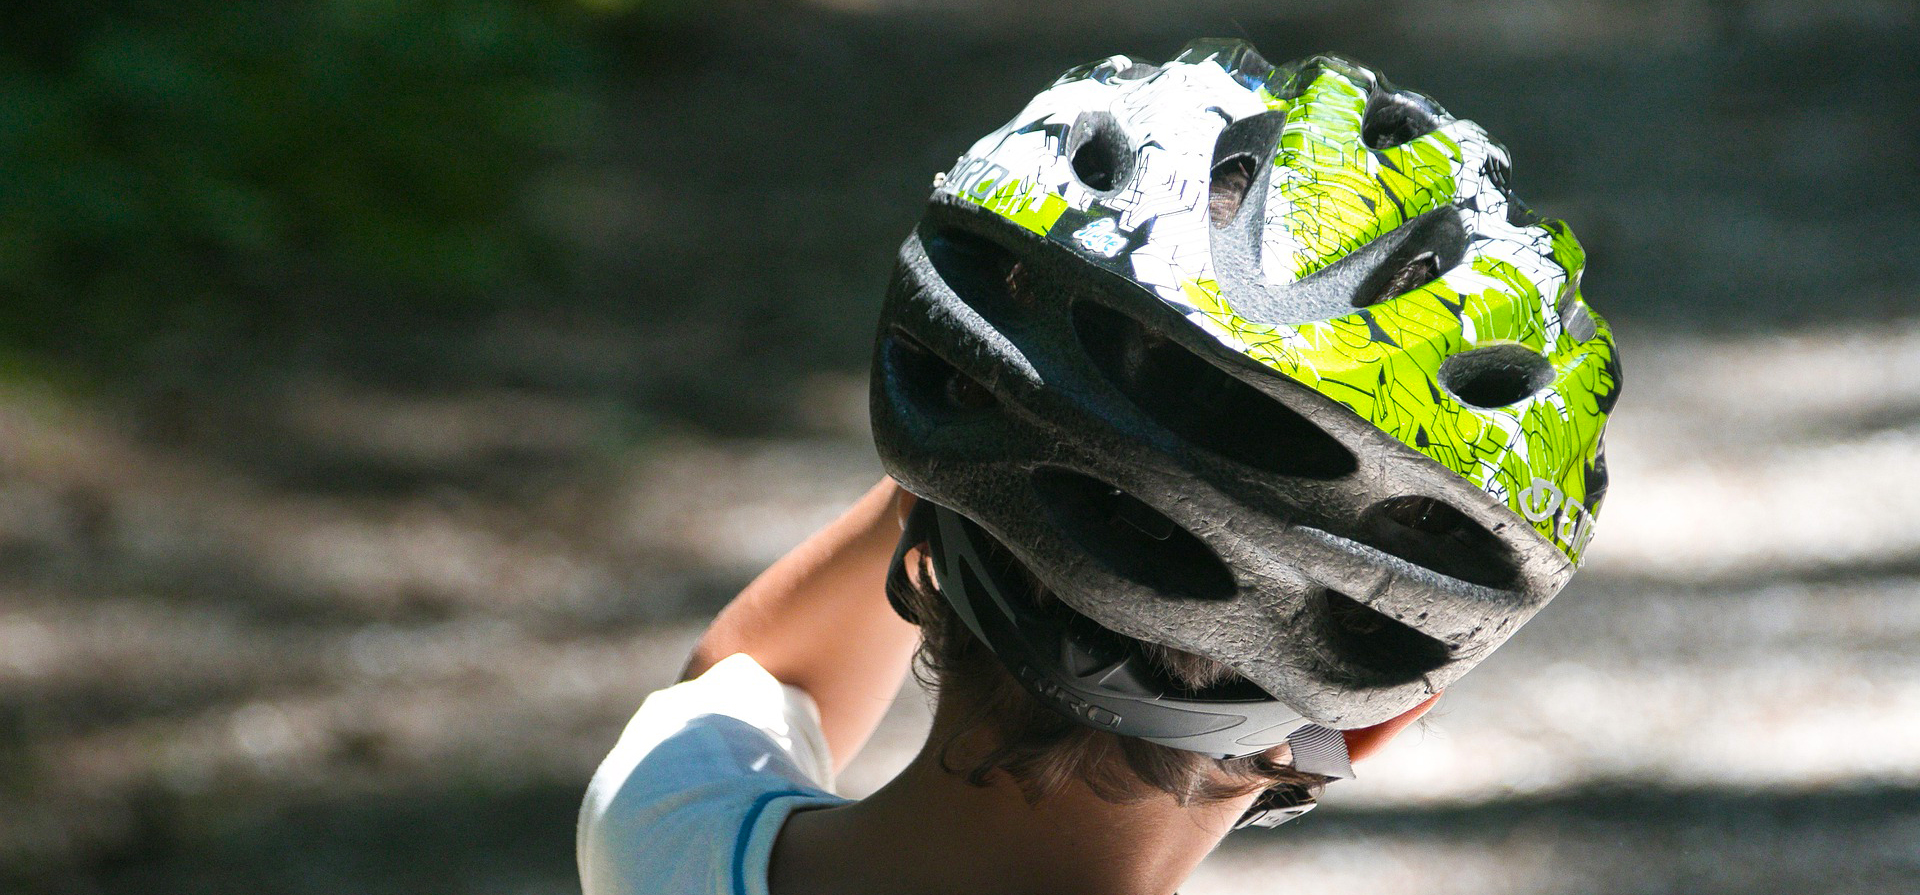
x=913 y=533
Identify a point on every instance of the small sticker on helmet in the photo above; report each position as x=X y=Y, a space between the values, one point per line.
x=1102 y=237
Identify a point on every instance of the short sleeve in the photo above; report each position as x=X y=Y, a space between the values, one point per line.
x=680 y=803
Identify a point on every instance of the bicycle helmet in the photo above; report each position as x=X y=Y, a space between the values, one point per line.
x=1265 y=364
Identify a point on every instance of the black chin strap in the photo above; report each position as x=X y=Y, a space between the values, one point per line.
x=914 y=531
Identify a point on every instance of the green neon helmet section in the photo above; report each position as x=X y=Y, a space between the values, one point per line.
x=1511 y=305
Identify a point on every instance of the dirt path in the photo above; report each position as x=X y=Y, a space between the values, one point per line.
x=365 y=621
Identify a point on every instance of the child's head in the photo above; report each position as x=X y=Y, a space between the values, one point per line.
x=1039 y=748
x=1248 y=404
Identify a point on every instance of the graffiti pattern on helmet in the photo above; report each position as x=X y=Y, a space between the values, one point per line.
x=1518 y=283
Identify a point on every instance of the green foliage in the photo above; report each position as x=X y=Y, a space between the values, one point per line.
x=200 y=170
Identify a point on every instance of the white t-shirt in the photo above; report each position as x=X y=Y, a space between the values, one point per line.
x=695 y=792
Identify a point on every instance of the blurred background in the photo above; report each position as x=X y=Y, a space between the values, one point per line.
x=390 y=391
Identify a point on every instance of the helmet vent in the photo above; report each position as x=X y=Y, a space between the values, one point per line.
x=1418 y=271
x=924 y=380
x=1131 y=538
x=1374 y=649
x=1101 y=159
x=1395 y=117
x=1436 y=535
x=981 y=272
x=1231 y=179
x=1203 y=404
x=1408 y=257
x=1597 y=479
x=1497 y=376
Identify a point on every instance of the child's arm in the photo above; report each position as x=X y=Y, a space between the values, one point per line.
x=818 y=619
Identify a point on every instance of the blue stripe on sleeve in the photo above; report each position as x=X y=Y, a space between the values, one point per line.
x=746 y=833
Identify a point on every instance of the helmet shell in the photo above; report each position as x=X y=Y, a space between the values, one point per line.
x=1203 y=423
x=1327 y=194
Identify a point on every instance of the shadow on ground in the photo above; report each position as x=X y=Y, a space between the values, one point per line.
x=1629 y=838
x=354 y=605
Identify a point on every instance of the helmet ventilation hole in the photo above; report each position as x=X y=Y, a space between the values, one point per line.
x=1410 y=256
x=1596 y=479
x=1436 y=535
x=1203 y=404
x=1373 y=648
x=1497 y=376
x=965 y=393
x=1228 y=187
x=1101 y=158
x=929 y=382
x=1239 y=151
x=981 y=272
x=1420 y=270
x=1134 y=70
x=1134 y=540
x=1395 y=117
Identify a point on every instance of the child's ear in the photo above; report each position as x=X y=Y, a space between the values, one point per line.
x=1365 y=741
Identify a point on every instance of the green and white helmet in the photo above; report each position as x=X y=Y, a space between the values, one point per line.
x=1262 y=363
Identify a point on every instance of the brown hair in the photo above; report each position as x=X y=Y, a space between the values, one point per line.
x=1042 y=751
